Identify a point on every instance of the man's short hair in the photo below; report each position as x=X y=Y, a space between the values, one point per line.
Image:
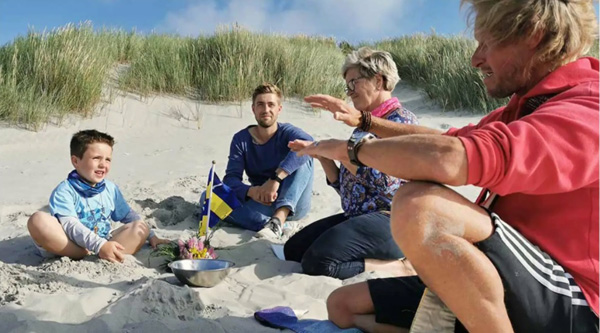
x=568 y=27
x=371 y=62
x=267 y=88
x=81 y=140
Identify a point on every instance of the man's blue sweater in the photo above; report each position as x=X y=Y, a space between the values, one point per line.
x=261 y=161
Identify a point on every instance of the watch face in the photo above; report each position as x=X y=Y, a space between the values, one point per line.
x=356 y=136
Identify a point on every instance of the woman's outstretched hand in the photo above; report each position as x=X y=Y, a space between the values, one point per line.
x=340 y=109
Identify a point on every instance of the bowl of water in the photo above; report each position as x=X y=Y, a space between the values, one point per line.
x=201 y=272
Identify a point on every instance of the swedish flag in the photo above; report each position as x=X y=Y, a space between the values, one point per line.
x=222 y=202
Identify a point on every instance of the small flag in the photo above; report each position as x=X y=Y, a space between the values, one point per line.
x=222 y=201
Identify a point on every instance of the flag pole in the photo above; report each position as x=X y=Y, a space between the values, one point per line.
x=212 y=184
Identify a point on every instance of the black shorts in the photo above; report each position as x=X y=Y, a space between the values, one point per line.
x=539 y=295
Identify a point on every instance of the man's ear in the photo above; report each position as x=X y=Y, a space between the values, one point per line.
x=535 y=39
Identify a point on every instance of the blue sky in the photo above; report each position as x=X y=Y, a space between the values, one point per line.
x=351 y=20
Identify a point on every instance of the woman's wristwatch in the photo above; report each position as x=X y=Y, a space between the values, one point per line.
x=354 y=143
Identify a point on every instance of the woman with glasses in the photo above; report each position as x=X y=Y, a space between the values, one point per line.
x=359 y=239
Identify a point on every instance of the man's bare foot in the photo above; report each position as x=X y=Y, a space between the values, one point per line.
x=399 y=267
x=406 y=268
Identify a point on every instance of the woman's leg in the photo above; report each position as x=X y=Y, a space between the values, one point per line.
x=340 y=252
x=297 y=245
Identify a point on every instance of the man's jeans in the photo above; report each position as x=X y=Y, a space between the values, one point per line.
x=295 y=193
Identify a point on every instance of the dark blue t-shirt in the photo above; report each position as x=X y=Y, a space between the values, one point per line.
x=260 y=161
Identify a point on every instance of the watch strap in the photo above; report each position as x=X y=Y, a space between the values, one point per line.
x=354 y=145
x=276 y=178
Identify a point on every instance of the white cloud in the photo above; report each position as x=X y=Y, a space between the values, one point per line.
x=353 y=20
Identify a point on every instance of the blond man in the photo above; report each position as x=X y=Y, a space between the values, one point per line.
x=524 y=257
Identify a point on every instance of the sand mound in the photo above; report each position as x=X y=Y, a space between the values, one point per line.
x=158 y=299
x=18 y=281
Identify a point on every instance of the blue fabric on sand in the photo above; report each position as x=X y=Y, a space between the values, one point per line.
x=284 y=317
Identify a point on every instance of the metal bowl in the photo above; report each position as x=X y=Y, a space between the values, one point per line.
x=201 y=272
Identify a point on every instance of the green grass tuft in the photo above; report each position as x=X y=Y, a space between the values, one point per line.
x=46 y=76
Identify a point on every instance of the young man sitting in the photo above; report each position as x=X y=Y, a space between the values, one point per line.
x=280 y=181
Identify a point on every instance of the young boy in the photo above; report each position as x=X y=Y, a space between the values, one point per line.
x=82 y=206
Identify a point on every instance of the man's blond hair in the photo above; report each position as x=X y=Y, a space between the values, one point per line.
x=568 y=27
x=267 y=88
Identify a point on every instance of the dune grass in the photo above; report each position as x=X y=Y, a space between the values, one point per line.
x=228 y=65
x=48 y=75
x=45 y=76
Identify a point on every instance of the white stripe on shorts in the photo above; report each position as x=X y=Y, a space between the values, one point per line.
x=508 y=239
x=534 y=250
x=513 y=240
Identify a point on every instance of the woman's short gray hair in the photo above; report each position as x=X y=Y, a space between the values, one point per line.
x=371 y=62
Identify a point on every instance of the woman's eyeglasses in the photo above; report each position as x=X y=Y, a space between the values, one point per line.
x=351 y=85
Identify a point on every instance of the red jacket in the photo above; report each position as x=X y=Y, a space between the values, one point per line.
x=544 y=166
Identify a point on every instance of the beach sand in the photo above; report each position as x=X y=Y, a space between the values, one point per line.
x=163 y=152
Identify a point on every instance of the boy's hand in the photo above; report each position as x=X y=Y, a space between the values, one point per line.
x=155 y=241
x=111 y=251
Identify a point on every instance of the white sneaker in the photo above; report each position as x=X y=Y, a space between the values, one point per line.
x=290 y=228
x=275 y=225
x=272 y=229
x=266 y=233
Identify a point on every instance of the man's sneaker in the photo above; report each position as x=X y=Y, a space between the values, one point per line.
x=275 y=225
x=290 y=228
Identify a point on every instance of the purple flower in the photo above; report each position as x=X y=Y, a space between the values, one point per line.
x=192 y=243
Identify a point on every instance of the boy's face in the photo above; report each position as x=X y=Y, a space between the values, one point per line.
x=95 y=163
x=266 y=108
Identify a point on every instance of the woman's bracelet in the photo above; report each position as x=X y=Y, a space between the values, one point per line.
x=365 y=121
